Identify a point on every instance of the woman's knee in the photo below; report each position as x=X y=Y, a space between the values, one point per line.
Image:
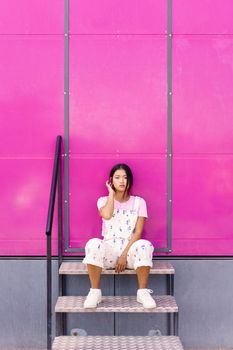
x=94 y=243
x=143 y=243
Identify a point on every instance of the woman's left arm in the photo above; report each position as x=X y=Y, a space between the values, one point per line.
x=121 y=263
x=136 y=234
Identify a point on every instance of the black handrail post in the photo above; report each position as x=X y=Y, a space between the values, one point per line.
x=59 y=216
x=49 y=294
x=56 y=170
x=61 y=318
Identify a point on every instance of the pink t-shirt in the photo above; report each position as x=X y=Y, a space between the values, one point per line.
x=126 y=205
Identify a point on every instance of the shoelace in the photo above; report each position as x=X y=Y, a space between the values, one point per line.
x=149 y=290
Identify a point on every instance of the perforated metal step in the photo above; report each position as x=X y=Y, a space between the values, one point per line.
x=164 y=303
x=78 y=268
x=117 y=342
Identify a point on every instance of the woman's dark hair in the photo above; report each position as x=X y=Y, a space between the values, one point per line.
x=128 y=173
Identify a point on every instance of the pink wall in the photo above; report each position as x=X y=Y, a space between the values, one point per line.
x=118 y=113
x=31 y=92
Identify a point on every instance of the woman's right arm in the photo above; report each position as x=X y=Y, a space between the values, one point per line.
x=107 y=211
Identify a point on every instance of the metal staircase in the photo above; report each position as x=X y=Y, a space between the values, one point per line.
x=165 y=304
x=117 y=304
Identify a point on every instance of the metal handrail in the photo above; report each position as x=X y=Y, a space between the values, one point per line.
x=56 y=182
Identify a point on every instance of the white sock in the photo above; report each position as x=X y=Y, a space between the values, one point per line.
x=94 y=288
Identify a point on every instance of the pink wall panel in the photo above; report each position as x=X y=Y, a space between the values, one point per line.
x=202 y=17
x=31 y=93
x=202 y=94
x=25 y=185
x=202 y=205
x=118 y=113
x=115 y=16
x=87 y=183
x=118 y=94
x=199 y=247
x=32 y=17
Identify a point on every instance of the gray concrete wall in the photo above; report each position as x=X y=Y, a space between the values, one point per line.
x=203 y=290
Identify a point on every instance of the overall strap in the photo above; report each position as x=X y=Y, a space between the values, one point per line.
x=137 y=203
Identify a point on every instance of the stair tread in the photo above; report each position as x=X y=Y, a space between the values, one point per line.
x=78 y=268
x=164 y=303
x=117 y=342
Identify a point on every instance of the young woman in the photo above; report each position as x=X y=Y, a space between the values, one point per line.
x=123 y=217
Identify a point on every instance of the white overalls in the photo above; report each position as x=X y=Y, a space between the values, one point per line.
x=117 y=233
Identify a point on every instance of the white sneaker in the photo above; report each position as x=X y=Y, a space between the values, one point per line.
x=94 y=297
x=144 y=297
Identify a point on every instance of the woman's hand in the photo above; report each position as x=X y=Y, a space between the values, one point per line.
x=109 y=187
x=121 y=263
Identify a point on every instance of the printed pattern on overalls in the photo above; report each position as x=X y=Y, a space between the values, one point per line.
x=117 y=233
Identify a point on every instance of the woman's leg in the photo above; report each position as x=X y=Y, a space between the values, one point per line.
x=94 y=275
x=99 y=255
x=94 y=260
x=140 y=258
x=143 y=276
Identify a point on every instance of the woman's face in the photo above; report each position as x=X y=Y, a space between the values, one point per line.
x=119 y=180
